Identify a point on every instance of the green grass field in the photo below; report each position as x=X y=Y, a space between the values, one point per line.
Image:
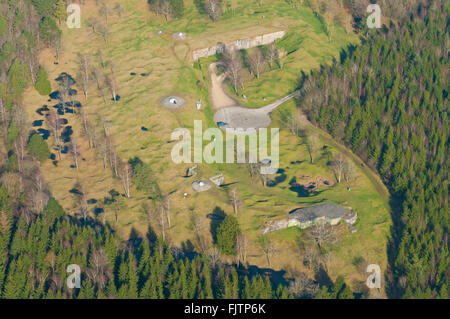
x=134 y=46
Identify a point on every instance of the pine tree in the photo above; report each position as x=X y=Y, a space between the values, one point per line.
x=48 y=31
x=177 y=8
x=227 y=233
x=60 y=12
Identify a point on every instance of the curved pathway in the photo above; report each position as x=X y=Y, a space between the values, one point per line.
x=219 y=98
x=229 y=111
x=231 y=115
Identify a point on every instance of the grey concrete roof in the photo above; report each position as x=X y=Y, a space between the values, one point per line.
x=168 y=102
x=201 y=186
x=306 y=214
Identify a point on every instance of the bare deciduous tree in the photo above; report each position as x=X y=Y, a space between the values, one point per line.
x=241 y=248
x=39 y=196
x=295 y=3
x=116 y=203
x=125 y=174
x=303 y=287
x=13 y=183
x=82 y=200
x=38 y=200
x=323 y=233
x=19 y=148
x=104 y=32
x=349 y=172
x=166 y=206
x=257 y=63
x=99 y=77
x=87 y=126
x=213 y=9
x=156 y=215
x=312 y=142
x=4 y=117
x=214 y=256
x=112 y=84
x=119 y=9
x=74 y=150
x=254 y=170
x=329 y=9
x=267 y=246
x=101 y=55
x=327 y=258
x=54 y=123
x=338 y=165
x=272 y=54
x=92 y=23
x=113 y=157
x=84 y=74
x=57 y=44
x=233 y=63
x=64 y=91
x=292 y=123
x=103 y=151
x=234 y=199
x=106 y=10
x=263 y=177
x=197 y=226
x=99 y=271
x=165 y=8
x=310 y=257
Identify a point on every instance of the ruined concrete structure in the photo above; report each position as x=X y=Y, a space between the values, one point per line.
x=201 y=186
x=308 y=216
x=241 y=44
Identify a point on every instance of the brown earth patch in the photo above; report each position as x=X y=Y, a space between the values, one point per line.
x=314 y=184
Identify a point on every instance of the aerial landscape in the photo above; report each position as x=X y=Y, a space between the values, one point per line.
x=224 y=149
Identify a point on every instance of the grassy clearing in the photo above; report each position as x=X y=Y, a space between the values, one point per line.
x=135 y=47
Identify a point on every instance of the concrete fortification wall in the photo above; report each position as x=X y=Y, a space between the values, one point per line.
x=238 y=44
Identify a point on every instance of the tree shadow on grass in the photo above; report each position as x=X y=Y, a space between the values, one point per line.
x=297 y=188
x=322 y=277
x=219 y=215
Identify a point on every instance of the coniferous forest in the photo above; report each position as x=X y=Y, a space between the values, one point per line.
x=387 y=99
x=38 y=240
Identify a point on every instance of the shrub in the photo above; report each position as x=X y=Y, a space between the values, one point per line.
x=42 y=84
x=38 y=148
x=48 y=31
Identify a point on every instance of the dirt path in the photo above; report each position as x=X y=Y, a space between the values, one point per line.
x=218 y=96
x=271 y=107
x=229 y=111
x=230 y=114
